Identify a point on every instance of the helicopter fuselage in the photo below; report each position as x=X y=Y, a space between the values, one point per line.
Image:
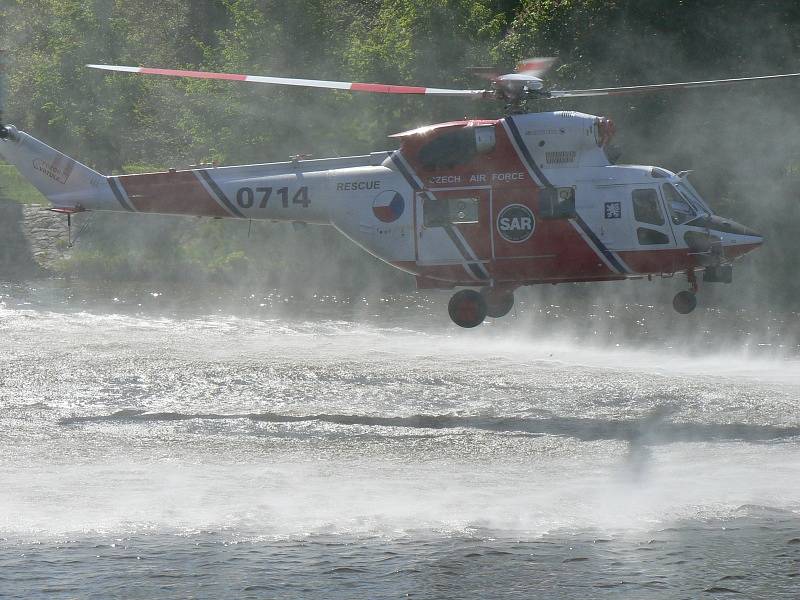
x=494 y=204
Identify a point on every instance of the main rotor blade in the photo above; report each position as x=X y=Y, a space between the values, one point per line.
x=375 y=88
x=661 y=87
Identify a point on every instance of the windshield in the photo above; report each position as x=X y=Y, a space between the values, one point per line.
x=680 y=208
x=688 y=192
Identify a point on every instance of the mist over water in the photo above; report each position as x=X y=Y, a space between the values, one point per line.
x=367 y=444
x=271 y=432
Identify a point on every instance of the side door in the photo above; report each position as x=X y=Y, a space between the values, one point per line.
x=453 y=225
x=652 y=230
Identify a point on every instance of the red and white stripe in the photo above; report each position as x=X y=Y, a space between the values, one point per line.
x=531 y=67
x=376 y=88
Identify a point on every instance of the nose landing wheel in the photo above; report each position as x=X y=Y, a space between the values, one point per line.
x=467 y=308
x=686 y=301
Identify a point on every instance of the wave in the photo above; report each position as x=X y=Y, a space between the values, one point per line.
x=652 y=429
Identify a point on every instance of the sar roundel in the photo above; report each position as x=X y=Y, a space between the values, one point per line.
x=516 y=223
x=388 y=206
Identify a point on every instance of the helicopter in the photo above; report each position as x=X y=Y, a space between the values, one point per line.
x=484 y=206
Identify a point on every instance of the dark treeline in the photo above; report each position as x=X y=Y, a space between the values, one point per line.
x=743 y=143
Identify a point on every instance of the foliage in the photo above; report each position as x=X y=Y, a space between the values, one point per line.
x=744 y=143
x=15 y=186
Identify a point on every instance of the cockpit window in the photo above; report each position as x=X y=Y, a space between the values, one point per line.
x=680 y=209
x=691 y=195
x=645 y=207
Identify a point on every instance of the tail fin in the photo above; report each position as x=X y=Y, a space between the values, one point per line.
x=63 y=181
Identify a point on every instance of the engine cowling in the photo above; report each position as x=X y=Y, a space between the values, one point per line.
x=565 y=138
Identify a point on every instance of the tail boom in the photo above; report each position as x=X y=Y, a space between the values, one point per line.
x=293 y=191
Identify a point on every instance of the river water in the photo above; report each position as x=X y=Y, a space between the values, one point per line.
x=160 y=444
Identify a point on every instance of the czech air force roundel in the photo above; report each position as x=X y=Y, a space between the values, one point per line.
x=388 y=206
x=516 y=223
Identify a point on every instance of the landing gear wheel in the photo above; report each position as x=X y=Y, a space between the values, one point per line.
x=684 y=302
x=467 y=308
x=498 y=303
